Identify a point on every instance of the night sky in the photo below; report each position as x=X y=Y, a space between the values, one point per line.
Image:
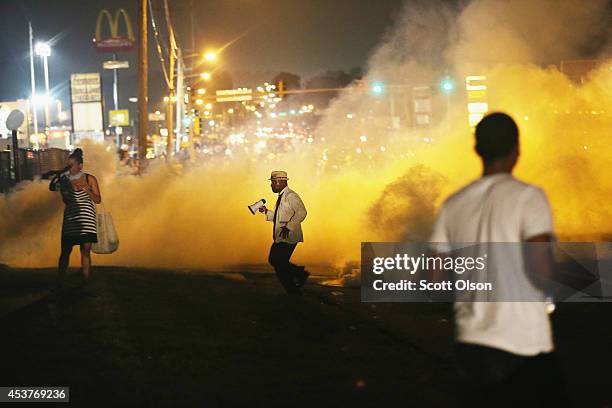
x=304 y=37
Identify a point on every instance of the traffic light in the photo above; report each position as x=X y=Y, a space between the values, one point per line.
x=196 y=126
x=377 y=88
x=280 y=87
x=447 y=85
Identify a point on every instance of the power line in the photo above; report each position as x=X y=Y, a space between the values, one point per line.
x=160 y=51
x=173 y=45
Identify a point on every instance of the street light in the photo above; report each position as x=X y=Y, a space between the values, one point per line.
x=44 y=51
x=41 y=99
x=210 y=56
x=205 y=76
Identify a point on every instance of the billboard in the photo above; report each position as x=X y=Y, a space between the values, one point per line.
x=87 y=117
x=85 y=87
x=86 y=97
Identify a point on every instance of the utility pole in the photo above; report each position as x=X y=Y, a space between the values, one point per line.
x=143 y=91
x=169 y=108
x=116 y=102
x=192 y=28
x=172 y=94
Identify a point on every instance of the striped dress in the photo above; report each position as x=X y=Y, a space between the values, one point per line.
x=79 y=224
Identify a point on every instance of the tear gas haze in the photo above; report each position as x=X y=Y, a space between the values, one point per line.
x=372 y=180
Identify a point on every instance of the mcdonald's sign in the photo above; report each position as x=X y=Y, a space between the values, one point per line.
x=116 y=42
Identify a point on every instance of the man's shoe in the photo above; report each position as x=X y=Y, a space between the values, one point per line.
x=301 y=280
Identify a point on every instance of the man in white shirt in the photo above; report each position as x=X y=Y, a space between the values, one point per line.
x=287 y=217
x=501 y=345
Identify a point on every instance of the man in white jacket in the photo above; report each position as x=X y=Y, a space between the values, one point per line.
x=287 y=216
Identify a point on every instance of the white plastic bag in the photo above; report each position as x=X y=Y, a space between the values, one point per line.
x=108 y=241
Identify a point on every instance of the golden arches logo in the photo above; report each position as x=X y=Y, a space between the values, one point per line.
x=115 y=42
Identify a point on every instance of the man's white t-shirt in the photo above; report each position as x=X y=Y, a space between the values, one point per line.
x=499 y=208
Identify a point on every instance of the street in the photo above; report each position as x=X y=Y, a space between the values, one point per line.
x=146 y=337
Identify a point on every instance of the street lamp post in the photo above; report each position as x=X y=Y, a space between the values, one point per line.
x=33 y=98
x=179 y=100
x=116 y=65
x=115 y=87
x=44 y=51
x=47 y=96
x=208 y=57
x=169 y=110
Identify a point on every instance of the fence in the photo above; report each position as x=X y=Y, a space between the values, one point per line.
x=31 y=163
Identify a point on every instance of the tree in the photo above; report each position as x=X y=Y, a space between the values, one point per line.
x=356 y=72
x=328 y=80
x=290 y=81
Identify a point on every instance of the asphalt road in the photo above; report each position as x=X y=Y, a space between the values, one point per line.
x=160 y=338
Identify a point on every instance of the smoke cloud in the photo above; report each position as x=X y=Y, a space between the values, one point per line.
x=407 y=202
x=372 y=180
x=492 y=32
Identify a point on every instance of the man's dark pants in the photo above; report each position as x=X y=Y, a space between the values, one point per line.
x=280 y=253
x=495 y=378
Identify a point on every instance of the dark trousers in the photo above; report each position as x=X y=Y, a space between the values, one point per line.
x=280 y=253
x=495 y=378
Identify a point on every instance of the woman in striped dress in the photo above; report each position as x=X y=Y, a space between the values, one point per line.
x=79 y=192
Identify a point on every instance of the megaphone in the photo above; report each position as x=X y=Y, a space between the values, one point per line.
x=254 y=207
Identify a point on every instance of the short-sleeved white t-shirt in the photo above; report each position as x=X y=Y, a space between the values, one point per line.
x=499 y=208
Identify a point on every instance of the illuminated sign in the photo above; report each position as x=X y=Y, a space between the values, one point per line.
x=116 y=42
x=85 y=87
x=476 y=87
x=119 y=117
x=86 y=97
x=157 y=116
x=234 y=95
x=421 y=98
x=115 y=64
